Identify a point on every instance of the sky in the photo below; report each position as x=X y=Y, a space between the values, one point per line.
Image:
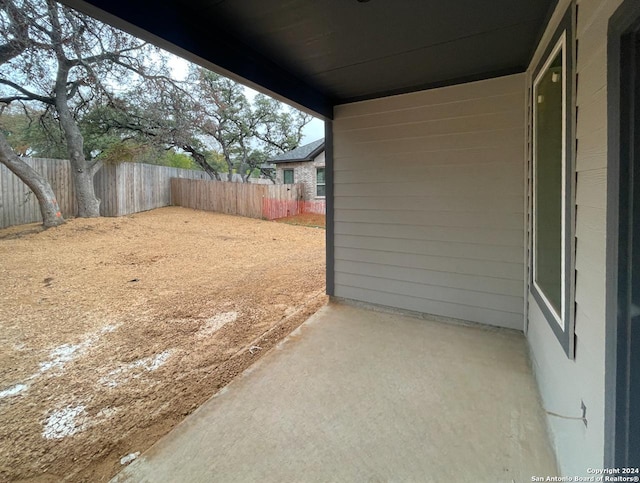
x=312 y=131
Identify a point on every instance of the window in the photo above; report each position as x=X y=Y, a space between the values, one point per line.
x=288 y=176
x=549 y=177
x=320 y=184
x=552 y=201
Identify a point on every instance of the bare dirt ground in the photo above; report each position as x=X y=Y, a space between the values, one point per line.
x=305 y=219
x=112 y=330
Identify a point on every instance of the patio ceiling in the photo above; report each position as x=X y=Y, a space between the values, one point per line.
x=317 y=54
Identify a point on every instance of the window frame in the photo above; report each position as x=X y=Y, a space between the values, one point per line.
x=318 y=168
x=559 y=317
x=562 y=323
x=284 y=175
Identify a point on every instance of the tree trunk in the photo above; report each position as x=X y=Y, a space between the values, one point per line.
x=88 y=203
x=51 y=215
x=227 y=160
x=202 y=162
x=269 y=174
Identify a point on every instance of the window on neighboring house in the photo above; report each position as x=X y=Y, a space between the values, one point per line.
x=288 y=176
x=552 y=223
x=320 y=184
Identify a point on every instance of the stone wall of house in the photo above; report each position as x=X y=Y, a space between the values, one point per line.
x=303 y=173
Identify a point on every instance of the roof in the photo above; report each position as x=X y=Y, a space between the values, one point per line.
x=318 y=55
x=308 y=152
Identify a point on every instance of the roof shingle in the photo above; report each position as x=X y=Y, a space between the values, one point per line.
x=302 y=153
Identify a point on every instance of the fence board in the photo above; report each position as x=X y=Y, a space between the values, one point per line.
x=123 y=189
x=128 y=188
x=278 y=208
x=243 y=199
x=18 y=204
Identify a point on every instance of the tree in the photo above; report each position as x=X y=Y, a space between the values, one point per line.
x=51 y=214
x=246 y=133
x=69 y=62
x=158 y=121
x=278 y=128
x=220 y=112
x=33 y=133
x=15 y=32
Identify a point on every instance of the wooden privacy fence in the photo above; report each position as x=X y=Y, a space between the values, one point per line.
x=236 y=198
x=127 y=188
x=18 y=204
x=124 y=189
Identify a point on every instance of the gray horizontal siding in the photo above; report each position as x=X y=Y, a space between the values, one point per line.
x=467 y=176
x=427 y=306
x=445 y=202
x=474 y=236
x=439 y=111
x=463 y=140
x=566 y=385
x=466 y=93
x=419 y=217
x=462 y=265
x=469 y=156
x=436 y=127
x=476 y=283
x=428 y=201
x=472 y=251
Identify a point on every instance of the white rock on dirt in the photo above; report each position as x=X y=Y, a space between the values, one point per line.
x=154 y=362
x=67 y=352
x=148 y=364
x=60 y=356
x=106 y=413
x=125 y=460
x=216 y=323
x=63 y=423
x=13 y=390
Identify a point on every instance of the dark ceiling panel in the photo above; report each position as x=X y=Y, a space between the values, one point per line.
x=348 y=32
x=431 y=65
x=320 y=53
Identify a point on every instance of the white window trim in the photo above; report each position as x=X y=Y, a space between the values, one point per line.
x=559 y=318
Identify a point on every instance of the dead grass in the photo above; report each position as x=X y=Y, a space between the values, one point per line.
x=306 y=219
x=112 y=330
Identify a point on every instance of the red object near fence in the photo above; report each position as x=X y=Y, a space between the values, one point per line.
x=273 y=208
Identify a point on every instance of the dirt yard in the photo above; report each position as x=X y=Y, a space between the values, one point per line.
x=112 y=330
x=305 y=219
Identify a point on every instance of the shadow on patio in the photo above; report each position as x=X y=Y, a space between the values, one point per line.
x=358 y=395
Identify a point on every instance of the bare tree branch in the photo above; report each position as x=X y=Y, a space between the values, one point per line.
x=27 y=95
x=18 y=28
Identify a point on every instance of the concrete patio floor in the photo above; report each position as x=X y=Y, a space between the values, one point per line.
x=360 y=395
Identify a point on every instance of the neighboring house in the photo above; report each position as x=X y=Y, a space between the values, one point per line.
x=306 y=165
x=479 y=167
